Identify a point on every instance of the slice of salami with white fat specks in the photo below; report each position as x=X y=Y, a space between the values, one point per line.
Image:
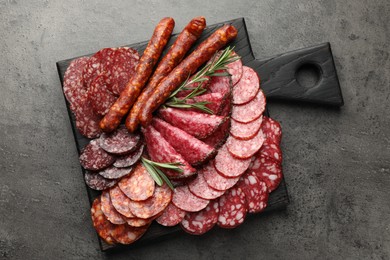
x=256 y=192
x=120 y=141
x=244 y=131
x=102 y=226
x=245 y=149
x=185 y=200
x=268 y=170
x=272 y=129
x=121 y=202
x=113 y=172
x=235 y=69
x=201 y=189
x=97 y=182
x=109 y=211
x=99 y=96
x=220 y=85
x=95 y=158
x=216 y=180
x=272 y=150
x=248 y=86
x=232 y=208
x=125 y=234
x=198 y=223
x=87 y=121
x=250 y=111
x=171 y=216
x=229 y=166
x=100 y=63
x=129 y=159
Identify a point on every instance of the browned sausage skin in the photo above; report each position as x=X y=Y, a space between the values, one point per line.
x=188 y=66
x=176 y=53
x=149 y=58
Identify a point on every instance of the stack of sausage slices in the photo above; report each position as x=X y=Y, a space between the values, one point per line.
x=206 y=157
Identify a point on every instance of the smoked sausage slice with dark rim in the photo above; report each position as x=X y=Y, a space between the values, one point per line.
x=113 y=172
x=95 y=158
x=129 y=159
x=119 y=142
x=97 y=182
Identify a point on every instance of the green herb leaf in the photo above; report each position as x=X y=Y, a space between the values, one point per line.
x=153 y=173
x=157 y=174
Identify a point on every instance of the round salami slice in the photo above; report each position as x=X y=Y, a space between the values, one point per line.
x=270 y=171
x=201 y=189
x=125 y=234
x=115 y=173
x=100 y=97
x=272 y=129
x=256 y=192
x=95 y=158
x=97 y=182
x=247 y=88
x=245 y=149
x=229 y=166
x=232 y=208
x=139 y=185
x=138 y=222
x=245 y=131
x=120 y=141
x=272 y=150
x=154 y=205
x=185 y=200
x=250 y=111
x=121 y=202
x=198 y=223
x=100 y=63
x=129 y=159
x=218 y=138
x=220 y=85
x=217 y=181
x=109 y=211
x=171 y=216
x=102 y=226
x=235 y=69
x=87 y=121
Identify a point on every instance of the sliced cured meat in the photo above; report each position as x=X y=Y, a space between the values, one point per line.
x=220 y=84
x=217 y=181
x=129 y=159
x=154 y=205
x=244 y=131
x=95 y=158
x=161 y=151
x=121 y=202
x=120 y=141
x=272 y=129
x=235 y=69
x=201 y=189
x=182 y=181
x=272 y=150
x=73 y=83
x=102 y=226
x=245 y=149
x=185 y=200
x=218 y=138
x=139 y=185
x=215 y=101
x=99 y=63
x=198 y=223
x=97 y=182
x=229 y=166
x=248 y=86
x=200 y=125
x=193 y=150
x=109 y=211
x=232 y=208
x=256 y=192
x=87 y=121
x=125 y=234
x=269 y=171
x=100 y=97
x=113 y=172
x=171 y=216
x=138 y=222
x=192 y=86
x=250 y=111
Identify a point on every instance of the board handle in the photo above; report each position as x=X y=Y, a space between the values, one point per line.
x=279 y=76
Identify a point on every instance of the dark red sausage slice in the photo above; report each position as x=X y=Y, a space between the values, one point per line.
x=215 y=102
x=185 y=200
x=272 y=129
x=229 y=166
x=95 y=158
x=232 y=208
x=248 y=86
x=99 y=96
x=245 y=149
x=171 y=216
x=250 y=111
x=198 y=223
x=216 y=180
x=97 y=182
x=113 y=172
x=109 y=211
x=120 y=141
x=129 y=159
x=87 y=121
x=256 y=192
x=201 y=189
x=272 y=150
x=245 y=131
x=102 y=226
x=269 y=171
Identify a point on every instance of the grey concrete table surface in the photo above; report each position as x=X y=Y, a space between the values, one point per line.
x=336 y=162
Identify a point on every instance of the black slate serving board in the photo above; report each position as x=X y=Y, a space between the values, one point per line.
x=278 y=81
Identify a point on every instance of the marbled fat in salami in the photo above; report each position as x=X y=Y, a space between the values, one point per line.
x=113 y=172
x=95 y=158
x=216 y=180
x=244 y=131
x=171 y=216
x=256 y=192
x=97 y=182
x=229 y=166
x=272 y=129
x=87 y=121
x=198 y=223
x=109 y=211
x=270 y=171
x=272 y=150
x=185 y=200
x=201 y=189
x=248 y=86
x=245 y=149
x=99 y=96
x=250 y=111
x=235 y=69
x=119 y=142
x=102 y=226
x=232 y=208
x=129 y=159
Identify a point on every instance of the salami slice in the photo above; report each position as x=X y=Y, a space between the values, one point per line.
x=113 y=172
x=121 y=202
x=232 y=208
x=215 y=102
x=220 y=84
x=100 y=97
x=120 y=141
x=109 y=211
x=198 y=223
x=200 y=125
x=161 y=151
x=247 y=88
x=185 y=200
x=102 y=226
x=87 y=121
x=270 y=171
x=194 y=151
x=125 y=234
x=95 y=158
x=272 y=129
x=235 y=69
x=245 y=131
x=139 y=185
x=218 y=138
x=171 y=216
x=245 y=149
x=138 y=222
x=229 y=166
x=97 y=182
x=250 y=111
x=256 y=192
x=201 y=189
x=100 y=63
x=154 y=205
x=272 y=150
x=129 y=159
x=217 y=181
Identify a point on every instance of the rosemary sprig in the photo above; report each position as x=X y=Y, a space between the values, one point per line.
x=157 y=174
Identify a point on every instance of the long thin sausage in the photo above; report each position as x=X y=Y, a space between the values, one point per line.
x=149 y=58
x=175 y=55
x=188 y=66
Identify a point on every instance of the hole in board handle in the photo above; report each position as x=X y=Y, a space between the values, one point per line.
x=308 y=75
